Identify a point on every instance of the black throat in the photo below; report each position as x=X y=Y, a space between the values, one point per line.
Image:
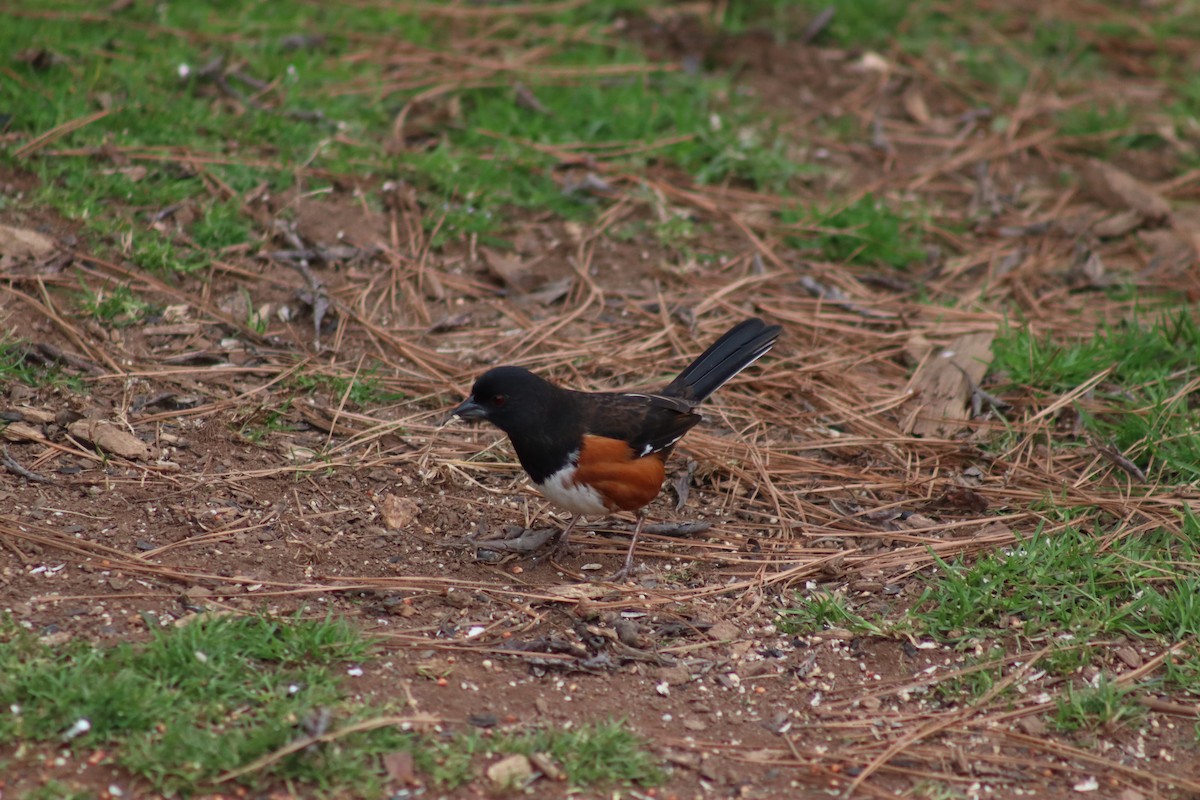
x=546 y=440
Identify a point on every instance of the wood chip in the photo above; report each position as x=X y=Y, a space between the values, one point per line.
x=1118 y=224
x=22 y=432
x=41 y=416
x=944 y=383
x=915 y=106
x=547 y=767
x=110 y=438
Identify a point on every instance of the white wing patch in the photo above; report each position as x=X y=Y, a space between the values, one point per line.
x=647 y=449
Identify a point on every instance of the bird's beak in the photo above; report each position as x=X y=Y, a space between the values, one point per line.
x=469 y=410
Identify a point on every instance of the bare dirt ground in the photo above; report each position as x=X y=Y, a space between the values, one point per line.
x=241 y=492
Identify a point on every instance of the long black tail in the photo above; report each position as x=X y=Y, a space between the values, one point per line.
x=738 y=348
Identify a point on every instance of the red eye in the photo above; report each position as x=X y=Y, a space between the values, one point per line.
x=499 y=400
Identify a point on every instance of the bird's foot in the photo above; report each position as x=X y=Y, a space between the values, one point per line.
x=619 y=576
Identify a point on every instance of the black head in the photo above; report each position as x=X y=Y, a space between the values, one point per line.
x=511 y=398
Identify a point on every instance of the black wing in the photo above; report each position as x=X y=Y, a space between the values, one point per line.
x=648 y=423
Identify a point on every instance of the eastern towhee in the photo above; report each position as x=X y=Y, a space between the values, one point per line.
x=597 y=452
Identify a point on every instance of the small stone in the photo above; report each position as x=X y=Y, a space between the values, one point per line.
x=1034 y=726
x=510 y=772
x=398 y=512
x=1132 y=658
x=673 y=676
x=724 y=631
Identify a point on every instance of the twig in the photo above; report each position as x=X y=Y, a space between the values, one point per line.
x=308 y=741
x=15 y=467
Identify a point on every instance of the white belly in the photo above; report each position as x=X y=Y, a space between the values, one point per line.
x=560 y=490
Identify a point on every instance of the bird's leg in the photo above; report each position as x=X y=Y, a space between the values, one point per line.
x=623 y=572
x=564 y=537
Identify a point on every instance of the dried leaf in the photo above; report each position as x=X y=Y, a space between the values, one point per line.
x=508 y=268
x=400 y=767
x=24 y=243
x=1120 y=191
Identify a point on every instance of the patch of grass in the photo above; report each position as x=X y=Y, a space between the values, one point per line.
x=214 y=695
x=1146 y=587
x=858 y=23
x=118 y=306
x=821 y=611
x=365 y=390
x=1183 y=669
x=1112 y=128
x=1145 y=410
x=597 y=754
x=258 y=424
x=14 y=364
x=221 y=225
x=1107 y=704
x=984 y=672
x=54 y=790
x=496 y=155
x=189 y=704
x=19 y=361
x=865 y=232
x=172 y=134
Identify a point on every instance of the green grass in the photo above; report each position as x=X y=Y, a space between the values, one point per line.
x=316 y=108
x=1143 y=408
x=1111 y=129
x=980 y=673
x=191 y=703
x=214 y=695
x=364 y=390
x=1107 y=704
x=18 y=364
x=257 y=424
x=864 y=232
x=14 y=364
x=1144 y=587
x=598 y=754
x=118 y=306
x=823 y=610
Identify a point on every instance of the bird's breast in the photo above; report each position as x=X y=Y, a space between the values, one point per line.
x=564 y=490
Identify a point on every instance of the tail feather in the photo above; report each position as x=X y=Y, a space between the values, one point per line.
x=738 y=348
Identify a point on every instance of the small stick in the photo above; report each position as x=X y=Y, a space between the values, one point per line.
x=15 y=467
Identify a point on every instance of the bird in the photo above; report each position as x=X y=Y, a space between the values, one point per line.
x=595 y=453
